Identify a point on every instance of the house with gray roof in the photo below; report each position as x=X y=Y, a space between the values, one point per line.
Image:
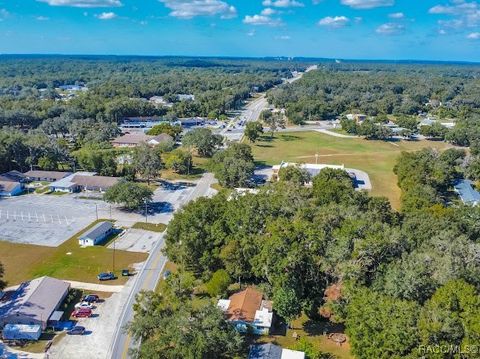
x=33 y=302
x=467 y=192
x=97 y=234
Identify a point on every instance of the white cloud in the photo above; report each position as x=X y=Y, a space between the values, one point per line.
x=367 y=4
x=283 y=3
x=474 y=36
x=397 y=15
x=268 y=11
x=106 y=16
x=187 y=9
x=251 y=33
x=259 y=20
x=390 y=29
x=83 y=3
x=334 y=22
x=42 y=18
x=463 y=14
x=283 y=37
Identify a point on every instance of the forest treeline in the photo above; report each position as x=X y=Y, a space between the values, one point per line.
x=381 y=89
x=116 y=86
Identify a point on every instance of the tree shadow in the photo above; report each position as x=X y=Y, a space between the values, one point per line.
x=322 y=327
x=288 y=137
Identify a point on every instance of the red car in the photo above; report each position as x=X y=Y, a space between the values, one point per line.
x=82 y=313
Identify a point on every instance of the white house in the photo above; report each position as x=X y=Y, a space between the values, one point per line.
x=96 y=235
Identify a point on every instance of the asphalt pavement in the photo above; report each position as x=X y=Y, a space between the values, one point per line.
x=149 y=275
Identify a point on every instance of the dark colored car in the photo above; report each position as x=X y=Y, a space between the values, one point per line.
x=106 y=276
x=82 y=313
x=91 y=298
x=76 y=330
x=126 y=273
x=166 y=274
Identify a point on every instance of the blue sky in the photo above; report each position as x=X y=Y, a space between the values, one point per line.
x=362 y=29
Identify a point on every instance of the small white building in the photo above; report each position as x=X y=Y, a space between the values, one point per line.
x=97 y=234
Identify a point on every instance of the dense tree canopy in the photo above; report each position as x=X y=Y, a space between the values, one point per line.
x=129 y=194
x=234 y=166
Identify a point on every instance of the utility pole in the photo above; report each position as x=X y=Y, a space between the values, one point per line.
x=146 y=212
x=113 y=264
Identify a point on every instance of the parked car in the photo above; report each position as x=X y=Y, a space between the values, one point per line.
x=91 y=298
x=106 y=276
x=82 y=313
x=76 y=330
x=166 y=274
x=84 y=305
x=126 y=273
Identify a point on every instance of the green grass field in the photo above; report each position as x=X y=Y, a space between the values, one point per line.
x=67 y=261
x=377 y=158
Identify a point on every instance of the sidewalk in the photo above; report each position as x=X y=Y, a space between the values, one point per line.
x=335 y=134
x=96 y=287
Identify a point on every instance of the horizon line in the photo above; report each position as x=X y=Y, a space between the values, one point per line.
x=279 y=57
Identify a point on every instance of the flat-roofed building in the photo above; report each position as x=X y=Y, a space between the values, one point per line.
x=33 y=302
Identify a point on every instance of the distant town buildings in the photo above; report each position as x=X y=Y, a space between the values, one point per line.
x=97 y=234
x=356 y=117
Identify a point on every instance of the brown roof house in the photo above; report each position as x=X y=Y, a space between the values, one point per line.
x=248 y=311
x=84 y=181
x=135 y=139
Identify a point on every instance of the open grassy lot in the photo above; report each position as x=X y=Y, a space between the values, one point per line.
x=377 y=158
x=67 y=261
x=159 y=227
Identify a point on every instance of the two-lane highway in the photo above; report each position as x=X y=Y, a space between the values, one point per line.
x=148 y=277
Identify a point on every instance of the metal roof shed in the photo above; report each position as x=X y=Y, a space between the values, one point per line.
x=21 y=332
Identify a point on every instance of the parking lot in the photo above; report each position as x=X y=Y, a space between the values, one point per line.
x=136 y=240
x=43 y=220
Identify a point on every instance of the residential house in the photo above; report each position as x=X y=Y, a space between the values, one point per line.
x=10 y=188
x=46 y=176
x=185 y=97
x=358 y=118
x=97 y=234
x=137 y=138
x=248 y=312
x=271 y=351
x=33 y=302
x=467 y=192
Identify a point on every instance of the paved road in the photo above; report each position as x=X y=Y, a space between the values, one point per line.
x=252 y=111
x=148 y=277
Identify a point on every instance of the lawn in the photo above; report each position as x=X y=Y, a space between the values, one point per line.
x=160 y=227
x=67 y=261
x=377 y=158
